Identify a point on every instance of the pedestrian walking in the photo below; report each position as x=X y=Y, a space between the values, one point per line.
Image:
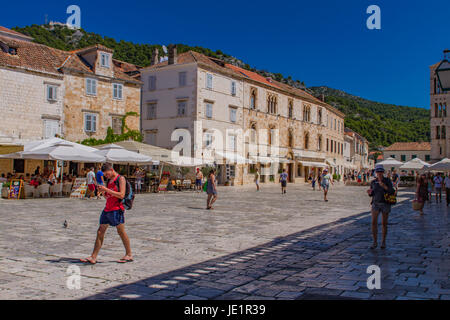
x=326 y=180
x=447 y=189
x=198 y=180
x=319 y=180
x=211 y=190
x=313 y=181
x=100 y=181
x=430 y=187
x=438 y=180
x=422 y=192
x=257 y=177
x=283 y=181
x=378 y=189
x=113 y=214
x=90 y=177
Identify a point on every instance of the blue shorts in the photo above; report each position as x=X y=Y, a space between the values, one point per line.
x=113 y=218
x=198 y=182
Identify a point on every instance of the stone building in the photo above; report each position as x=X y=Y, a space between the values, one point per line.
x=31 y=95
x=239 y=119
x=45 y=92
x=357 y=155
x=100 y=91
x=406 y=151
x=440 y=118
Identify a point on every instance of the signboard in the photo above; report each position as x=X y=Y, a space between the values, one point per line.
x=163 y=184
x=79 y=188
x=15 y=189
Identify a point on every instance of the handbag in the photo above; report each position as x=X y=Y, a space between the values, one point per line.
x=416 y=205
x=390 y=198
x=205 y=186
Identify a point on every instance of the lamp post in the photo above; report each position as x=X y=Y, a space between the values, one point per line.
x=443 y=72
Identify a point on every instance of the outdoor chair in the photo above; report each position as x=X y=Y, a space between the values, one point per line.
x=56 y=189
x=67 y=189
x=44 y=190
x=187 y=184
x=179 y=186
x=29 y=191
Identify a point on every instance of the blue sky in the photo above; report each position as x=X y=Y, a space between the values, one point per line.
x=322 y=42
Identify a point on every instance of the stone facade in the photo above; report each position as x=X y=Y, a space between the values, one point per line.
x=222 y=103
x=440 y=118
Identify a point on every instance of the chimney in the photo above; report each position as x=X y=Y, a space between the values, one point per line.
x=322 y=97
x=173 y=57
x=155 y=57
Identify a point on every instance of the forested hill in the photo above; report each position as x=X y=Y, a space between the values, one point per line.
x=382 y=124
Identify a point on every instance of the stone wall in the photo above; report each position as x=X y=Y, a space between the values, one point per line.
x=77 y=103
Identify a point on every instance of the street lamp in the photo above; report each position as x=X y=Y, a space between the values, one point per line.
x=443 y=72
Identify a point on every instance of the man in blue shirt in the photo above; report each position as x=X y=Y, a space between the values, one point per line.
x=99 y=177
x=283 y=181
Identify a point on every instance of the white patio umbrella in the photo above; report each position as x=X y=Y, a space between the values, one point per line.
x=117 y=154
x=415 y=164
x=443 y=165
x=390 y=162
x=63 y=151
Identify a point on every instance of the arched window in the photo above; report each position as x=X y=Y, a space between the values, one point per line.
x=272 y=104
x=306 y=113
x=253 y=133
x=253 y=99
x=290 y=110
x=319 y=143
x=444 y=133
x=306 y=142
x=290 y=138
x=319 y=116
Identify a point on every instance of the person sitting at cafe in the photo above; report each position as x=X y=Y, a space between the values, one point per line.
x=35 y=181
x=51 y=178
x=3 y=178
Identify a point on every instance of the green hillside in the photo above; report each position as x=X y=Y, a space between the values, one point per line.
x=382 y=124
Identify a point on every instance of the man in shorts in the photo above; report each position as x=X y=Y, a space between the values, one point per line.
x=283 y=181
x=112 y=215
x=438 y=180
x=198 y=180
x=257 y=176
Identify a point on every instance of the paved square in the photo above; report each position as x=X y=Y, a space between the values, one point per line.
x=252 y=246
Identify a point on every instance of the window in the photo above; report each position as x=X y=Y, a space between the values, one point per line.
x=150 y=137
x=181 y=79
x=438 y=132
x=181 y=108
x=328 y=149
x=52 y=92
x=233 y=112
x=443 y=132
x=104 y=60
x=232 y=142
x=152 y=83
x=319 y=116
x=117 y=91
x=272 y=104
x=403 y=157
x=208 y=139
x=151 y=111
x=306 y=113
x=233 y=88
x=253 y=133
x=19 y=165
x=306 y=141
x=253 y=99
x=427 y=157
x=290 y=110
x=91 y=87
x=393 y=156
x=116 y=124
x=209 y=81
x=90 y=122
x=290 y=139
x=319 y=143
x=51 y=128
x=413 y=156
x=209 y=110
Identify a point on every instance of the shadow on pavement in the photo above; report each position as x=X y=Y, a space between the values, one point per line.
x=325 y=262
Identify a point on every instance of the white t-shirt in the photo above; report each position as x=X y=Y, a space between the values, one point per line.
x=438 y=182
x=90 y=177
x=447 y=182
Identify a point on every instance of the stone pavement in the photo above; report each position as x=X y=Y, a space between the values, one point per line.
x=252 y=246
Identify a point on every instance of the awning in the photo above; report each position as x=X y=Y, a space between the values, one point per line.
x=313 y=164
x=265 y=160
x=232 y=157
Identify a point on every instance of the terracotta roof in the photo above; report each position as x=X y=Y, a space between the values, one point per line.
x=409 y=146
x=221 y=66
x=32 y=56
x=15 y=33
x=37 y=57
